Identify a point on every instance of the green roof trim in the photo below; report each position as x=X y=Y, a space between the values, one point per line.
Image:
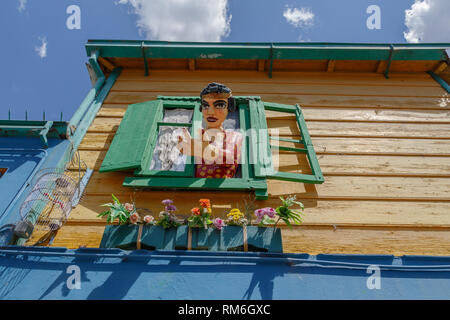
x=43 y=129
x=275 y=51
x=439 y=80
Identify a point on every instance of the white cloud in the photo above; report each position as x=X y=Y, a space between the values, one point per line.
x=302 y=17
x=302 y=39
x=428 y=21
x=42 y=49
x=22 y=5
x=181 y=20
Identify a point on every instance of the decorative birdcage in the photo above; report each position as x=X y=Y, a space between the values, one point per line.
x=49 y=204
x=54 y=193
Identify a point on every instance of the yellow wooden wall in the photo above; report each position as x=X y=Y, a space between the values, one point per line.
x=383 y=146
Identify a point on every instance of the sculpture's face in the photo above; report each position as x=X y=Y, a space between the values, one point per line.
x=215 y=109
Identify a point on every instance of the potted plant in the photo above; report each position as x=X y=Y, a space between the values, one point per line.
x=200 y=236
x=201 y=216
x=123 y=220
x=287 y=214
x=167 y=216
x=137 y=230
x=270 y=216
x=262 y=236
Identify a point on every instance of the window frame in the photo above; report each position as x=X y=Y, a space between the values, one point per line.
x=148 y=154
x=254 y=174
x=264 y=147
x=169 y=180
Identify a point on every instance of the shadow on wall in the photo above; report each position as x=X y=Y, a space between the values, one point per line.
x=169 y=275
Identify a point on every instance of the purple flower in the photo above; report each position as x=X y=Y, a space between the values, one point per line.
x=167 y=202
x=171 y=208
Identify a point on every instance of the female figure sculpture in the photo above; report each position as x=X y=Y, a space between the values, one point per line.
x=219 y=155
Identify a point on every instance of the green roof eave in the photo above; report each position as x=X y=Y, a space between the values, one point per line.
x=275 y=51
x=22 y=128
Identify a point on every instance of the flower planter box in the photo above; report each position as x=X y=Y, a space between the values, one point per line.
x=152 y=238
x=230 y=238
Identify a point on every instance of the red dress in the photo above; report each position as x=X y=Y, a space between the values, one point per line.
x=231 y=151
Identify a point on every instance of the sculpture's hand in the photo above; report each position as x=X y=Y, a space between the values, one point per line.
x=197 y=147
x=185 y=142
x=185 y=135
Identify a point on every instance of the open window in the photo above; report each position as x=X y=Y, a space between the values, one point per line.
x=163 y=158
x=264 y=148
x=145 y=142
x=2 y=171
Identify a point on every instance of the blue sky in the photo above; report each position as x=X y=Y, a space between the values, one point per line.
x=55 y=79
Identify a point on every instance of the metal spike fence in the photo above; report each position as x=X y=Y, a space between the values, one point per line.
x=43 y=115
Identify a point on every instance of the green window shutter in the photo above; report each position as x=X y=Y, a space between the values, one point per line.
x=167 y=104
x=262 y=148
x=131 y=139
x=261 y=156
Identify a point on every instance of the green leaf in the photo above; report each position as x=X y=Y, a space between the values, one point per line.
x=297 y=218
x=299 y=203
x=109 y=205
x=104 y=213
x=287 y=222
x=114 y=212
x=267 y=220
x=115 y=198
x=122 y=219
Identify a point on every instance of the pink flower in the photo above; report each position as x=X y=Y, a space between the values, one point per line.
x=134 y=218
x=259 y=213
x=270 y=212
x=129 y=207
x=219 y=223
x=149 y=219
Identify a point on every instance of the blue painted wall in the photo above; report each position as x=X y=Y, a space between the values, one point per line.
x=116 y=274
x=20 y=165
x=24 y=157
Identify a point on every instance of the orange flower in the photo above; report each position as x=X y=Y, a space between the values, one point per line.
x=195 y=211
x=205 y=203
